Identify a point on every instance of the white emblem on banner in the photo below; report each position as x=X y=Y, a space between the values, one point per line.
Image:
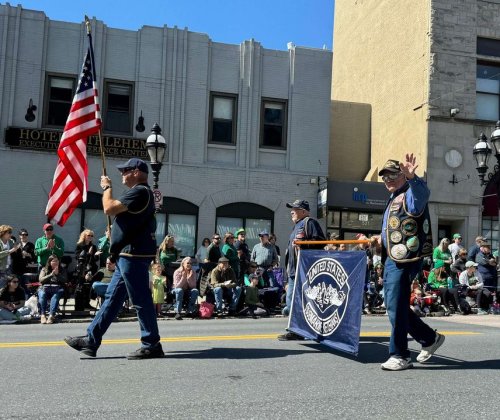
x=325 y=296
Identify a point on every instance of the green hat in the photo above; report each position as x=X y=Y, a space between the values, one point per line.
x=457 y=235
x=438 y=264
x=240 y=230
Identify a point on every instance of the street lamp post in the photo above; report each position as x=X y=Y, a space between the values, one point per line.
x=156 y=146
x=482 y=152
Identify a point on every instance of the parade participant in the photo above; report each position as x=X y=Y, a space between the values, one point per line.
x=305 y=228
x=133 y=242
x=47 y=245
x=405 y=239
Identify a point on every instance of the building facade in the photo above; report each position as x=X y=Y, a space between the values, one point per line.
x=246 y=127
x=425 y=82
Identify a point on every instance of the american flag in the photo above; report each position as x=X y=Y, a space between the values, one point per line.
x=69 y=188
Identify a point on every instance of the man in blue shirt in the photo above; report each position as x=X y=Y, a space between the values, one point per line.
x=406 y=238
x=133 y=242
x=305 y=228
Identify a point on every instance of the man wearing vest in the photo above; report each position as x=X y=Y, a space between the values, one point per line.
x=305 y=228
x=406 y=238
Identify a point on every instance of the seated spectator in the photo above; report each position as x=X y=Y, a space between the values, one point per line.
x=487 y=267
x=201 y=254
x=157 y=284
x=342 y=247
x=185 y=284
x=102 y=278
x=167 y=255
x=230 y=252
x=374 y=294
x=223 y=281
x=86 y=267
x=417 y=301
x=103 y=247
x=53 y=277
x=7 y=249
x=268 y=295
x=458 y=265
x=252 y=301
x=12 y=301
x=472 y=285
x=442 y=254
x=438 y=281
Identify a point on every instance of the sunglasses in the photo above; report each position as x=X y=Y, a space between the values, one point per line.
x=23 y=234
x=49 y=229
x=189 y=264
x=217 y=239
x=91 y=236
x=391 y=177
x=127 y=170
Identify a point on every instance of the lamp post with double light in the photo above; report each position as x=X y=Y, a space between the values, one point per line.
x=482 y=152
x=156 y=146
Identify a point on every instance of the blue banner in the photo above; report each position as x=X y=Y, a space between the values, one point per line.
x=328 y=297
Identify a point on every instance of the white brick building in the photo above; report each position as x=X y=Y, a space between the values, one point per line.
x=247 y=127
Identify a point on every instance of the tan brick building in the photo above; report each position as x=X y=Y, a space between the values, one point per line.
x=419 y=77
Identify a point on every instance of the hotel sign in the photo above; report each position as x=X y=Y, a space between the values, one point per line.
x=48 y=141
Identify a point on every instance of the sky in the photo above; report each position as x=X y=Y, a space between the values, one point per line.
x=273 y=23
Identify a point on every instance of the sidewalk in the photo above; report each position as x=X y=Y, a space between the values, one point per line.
x=483 y=320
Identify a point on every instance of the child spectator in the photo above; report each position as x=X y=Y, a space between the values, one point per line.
x=252 y=300
x=417 y=302
x=157 y=284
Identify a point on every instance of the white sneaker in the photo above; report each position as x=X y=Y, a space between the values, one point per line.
x=397 y=363
x=427 y=352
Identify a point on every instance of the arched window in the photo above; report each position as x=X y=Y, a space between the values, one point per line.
x=179 y=218
x=252 y=217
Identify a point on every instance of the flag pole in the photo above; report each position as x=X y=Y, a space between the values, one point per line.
x=103 y=157
x=89 y=34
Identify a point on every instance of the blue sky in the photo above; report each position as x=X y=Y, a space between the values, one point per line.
x=273 y=23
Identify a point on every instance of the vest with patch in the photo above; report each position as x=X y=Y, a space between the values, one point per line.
x=408 y=236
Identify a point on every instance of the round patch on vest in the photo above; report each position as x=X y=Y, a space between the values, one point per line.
x=398 y=252
x=413 y=243
x=393 y=222
x=396 y=236
x=409 y=227
x=425 y=226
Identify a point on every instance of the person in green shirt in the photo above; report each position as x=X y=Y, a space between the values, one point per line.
x=230 y=252
x=47 y=245
x=442 y=253
x=438 y=281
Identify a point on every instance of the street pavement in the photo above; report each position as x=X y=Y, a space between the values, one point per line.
x=236 y=369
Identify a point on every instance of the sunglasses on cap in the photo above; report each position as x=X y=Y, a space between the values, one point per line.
x=391 y=177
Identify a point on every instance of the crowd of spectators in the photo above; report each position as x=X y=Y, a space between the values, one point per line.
x=240 y=281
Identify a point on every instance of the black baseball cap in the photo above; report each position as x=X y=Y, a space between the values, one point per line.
x=299 y=204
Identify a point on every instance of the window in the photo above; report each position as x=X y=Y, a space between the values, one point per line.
x=273 y=124
x=487 y=91
x=118 y=107
x=488 y=46
x=252 y=217
x=490 y=231
x=222 y=127
x=59 y=94
x=178 y=218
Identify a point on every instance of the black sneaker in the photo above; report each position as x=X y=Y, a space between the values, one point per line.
x=289 y=336
x=155 y=352
x=178 y=317
x=81 y=344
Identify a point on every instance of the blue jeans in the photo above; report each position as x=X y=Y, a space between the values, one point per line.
x=233 y=294
x=100 y=288
x=179 y=299
x=52 y=293
x=132 y=276
x=397 y=282
x=289 y=296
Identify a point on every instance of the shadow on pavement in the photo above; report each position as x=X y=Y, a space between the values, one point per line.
x=236 y=353
x=375 y=350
